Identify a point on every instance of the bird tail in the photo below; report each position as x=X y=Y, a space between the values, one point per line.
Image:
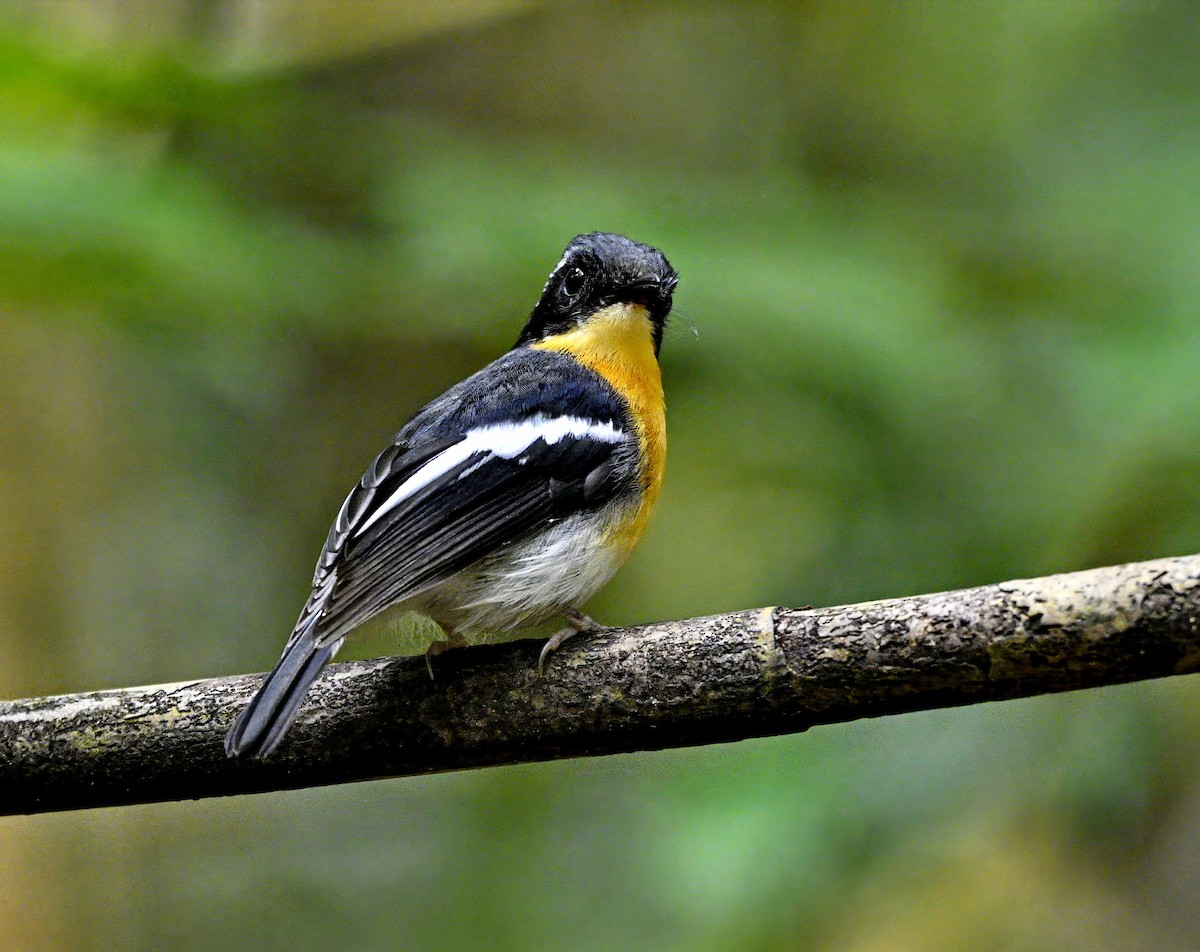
x=261 y=726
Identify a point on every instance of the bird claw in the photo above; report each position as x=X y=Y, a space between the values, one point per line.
x=577 y=621
x=437 y=647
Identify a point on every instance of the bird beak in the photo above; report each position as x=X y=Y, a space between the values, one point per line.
x=650 y=292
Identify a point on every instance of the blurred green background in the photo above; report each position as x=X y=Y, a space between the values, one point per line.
x=937 y=326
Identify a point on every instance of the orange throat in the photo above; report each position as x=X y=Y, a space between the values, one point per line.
x=618 y=343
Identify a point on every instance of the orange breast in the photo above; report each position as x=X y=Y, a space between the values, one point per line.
x=618 y=344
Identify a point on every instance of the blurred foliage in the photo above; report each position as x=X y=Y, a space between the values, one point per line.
x=937 y=327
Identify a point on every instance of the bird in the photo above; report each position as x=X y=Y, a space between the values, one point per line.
x=510 y=499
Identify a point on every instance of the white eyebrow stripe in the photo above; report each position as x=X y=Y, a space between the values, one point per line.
x=504 y=440
x=556 y=269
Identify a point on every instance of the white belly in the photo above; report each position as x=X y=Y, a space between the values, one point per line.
x=529 y=583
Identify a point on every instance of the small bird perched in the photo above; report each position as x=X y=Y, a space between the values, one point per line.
x=511 y=498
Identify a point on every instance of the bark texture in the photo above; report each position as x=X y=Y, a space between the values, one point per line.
x=745 y=674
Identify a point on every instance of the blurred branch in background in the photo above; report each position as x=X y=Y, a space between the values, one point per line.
x=728 y=677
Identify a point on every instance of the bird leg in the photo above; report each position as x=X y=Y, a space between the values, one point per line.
x=452 y=640
x=577 y=621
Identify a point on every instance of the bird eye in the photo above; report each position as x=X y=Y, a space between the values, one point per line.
x=573 y=282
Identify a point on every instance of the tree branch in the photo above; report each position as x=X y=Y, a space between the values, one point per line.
x=703 y=681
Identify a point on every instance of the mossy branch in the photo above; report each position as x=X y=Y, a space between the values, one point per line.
x=703 y=681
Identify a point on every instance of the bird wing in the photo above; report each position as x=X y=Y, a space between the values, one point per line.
x=472 y=472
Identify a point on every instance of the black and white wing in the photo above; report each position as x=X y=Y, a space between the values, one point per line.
x=495 y=485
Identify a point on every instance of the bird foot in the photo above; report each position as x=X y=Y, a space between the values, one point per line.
x=577 y=621
x=437 y=647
